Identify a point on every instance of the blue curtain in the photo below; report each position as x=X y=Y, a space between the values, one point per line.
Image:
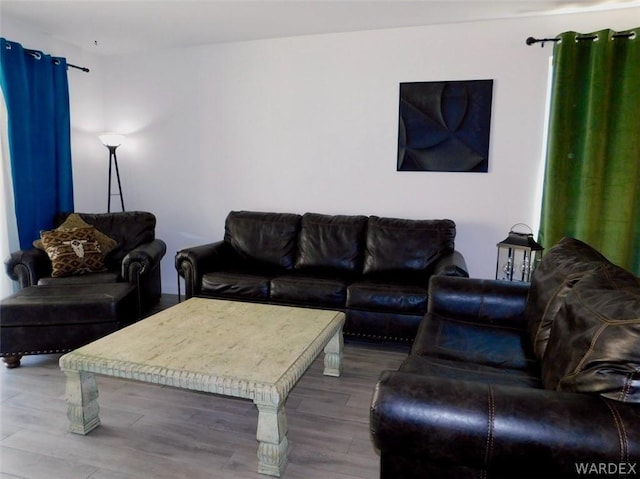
x=36 y=94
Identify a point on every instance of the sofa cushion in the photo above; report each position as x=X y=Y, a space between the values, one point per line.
x=468 y=371
x=309 y=290
x=331 y=242
x=387 y=297
x=406 y=245
x=479 y=342
x=236 y=285
x=560 y=268
x=93 y=278
x=73 y=251
x=594 y=345
x=268 y=238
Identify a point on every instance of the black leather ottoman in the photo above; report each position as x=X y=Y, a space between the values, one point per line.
x=57 y=319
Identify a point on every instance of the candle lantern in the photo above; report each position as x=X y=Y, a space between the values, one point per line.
x=518 y=255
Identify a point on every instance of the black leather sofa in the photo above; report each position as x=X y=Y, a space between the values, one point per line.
x=135 y=259
x=511 y=380
x=374 y=269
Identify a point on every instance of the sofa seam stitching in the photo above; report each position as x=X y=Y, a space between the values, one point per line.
x=490 y=425
x=622 y=435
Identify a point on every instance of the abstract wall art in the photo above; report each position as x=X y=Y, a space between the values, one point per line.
x=444 y=126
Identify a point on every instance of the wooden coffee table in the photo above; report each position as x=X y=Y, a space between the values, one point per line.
x=244 y=350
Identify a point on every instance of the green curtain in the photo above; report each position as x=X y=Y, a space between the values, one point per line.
x=591 y=187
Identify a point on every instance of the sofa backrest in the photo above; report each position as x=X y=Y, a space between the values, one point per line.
x=331 y=243
x=560 y=268
x=394 y=244
x=346 y=244
x=594 y=344
x=268 y=238
x=128 y=228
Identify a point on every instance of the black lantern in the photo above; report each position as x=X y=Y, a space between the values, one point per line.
x=517 y=255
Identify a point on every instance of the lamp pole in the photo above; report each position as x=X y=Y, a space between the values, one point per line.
x=114 y=159
x=113 y=141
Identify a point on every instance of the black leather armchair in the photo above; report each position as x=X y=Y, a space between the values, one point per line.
x=474 y=399
x=83 y=294
x=135 y=258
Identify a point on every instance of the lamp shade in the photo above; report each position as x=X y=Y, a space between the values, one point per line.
x=112 y=139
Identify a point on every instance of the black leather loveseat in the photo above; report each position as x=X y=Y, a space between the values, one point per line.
x=374 y=269
x=513 y=380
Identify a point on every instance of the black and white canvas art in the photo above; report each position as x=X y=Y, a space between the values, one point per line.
x=444 y=126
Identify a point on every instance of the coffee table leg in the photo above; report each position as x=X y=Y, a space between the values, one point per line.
x=333 y=355
x=82 y=401
x=272 y=435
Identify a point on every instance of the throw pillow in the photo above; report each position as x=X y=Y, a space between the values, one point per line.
x=560 y=268
x=594 y=345
x=74 y=220
x=73 y=251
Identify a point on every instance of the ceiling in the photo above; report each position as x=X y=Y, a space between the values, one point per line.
x=129 y=26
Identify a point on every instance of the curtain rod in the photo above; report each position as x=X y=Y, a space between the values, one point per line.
x=37 y=55
x=84 y=69
x=542 y=41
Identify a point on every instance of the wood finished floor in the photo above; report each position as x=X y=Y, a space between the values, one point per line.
x=156 y=432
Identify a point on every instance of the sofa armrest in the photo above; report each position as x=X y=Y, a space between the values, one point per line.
x=494 y=427
x=142 y=260
x=192 y=263
x=479 y=300
x=452 y=264
x=28 y=266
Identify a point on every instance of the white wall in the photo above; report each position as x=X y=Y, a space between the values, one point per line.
x=310 y=124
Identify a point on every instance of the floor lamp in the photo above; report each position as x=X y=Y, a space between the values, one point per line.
x=113 y=141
